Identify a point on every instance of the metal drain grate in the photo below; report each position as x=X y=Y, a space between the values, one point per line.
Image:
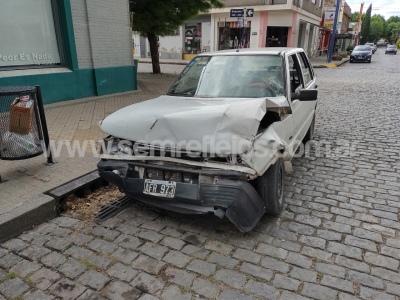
x=113 y=208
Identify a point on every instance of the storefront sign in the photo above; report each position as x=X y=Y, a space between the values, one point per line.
x=344 y=36
x=254 y=33
x=250 y=12
x=237 y=13
x=329 y=17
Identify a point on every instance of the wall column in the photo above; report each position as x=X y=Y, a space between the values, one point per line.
x=262 y=39
x=293 y=31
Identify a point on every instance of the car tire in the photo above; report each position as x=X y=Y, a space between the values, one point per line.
x=270 y=187
x=310 y=132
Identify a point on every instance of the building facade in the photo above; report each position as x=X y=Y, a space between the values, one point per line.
x=71 y=48
x=265 y=23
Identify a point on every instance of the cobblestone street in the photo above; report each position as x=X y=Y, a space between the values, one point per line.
x=338 y=238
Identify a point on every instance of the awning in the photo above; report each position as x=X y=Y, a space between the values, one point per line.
x=316 y=25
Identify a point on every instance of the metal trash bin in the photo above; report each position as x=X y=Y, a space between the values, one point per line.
x=23 y=128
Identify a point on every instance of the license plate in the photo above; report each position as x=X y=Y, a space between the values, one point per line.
x=159 y=188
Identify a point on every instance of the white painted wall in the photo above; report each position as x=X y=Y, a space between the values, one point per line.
x=280 y=18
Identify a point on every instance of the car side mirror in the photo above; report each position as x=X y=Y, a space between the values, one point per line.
x=351 y=51
x=305 y=95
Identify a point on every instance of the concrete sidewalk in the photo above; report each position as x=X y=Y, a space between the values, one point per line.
x=317 y=62
x=26 y=181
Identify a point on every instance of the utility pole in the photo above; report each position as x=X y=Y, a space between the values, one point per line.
x=332 y=39
x=359 y=23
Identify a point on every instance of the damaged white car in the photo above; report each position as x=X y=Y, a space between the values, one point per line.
x=217 y=141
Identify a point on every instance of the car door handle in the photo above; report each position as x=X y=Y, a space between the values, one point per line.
x=316 y=86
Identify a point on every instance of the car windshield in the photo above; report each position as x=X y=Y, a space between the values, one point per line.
x=362 y=48
x=391 y=46
x=239 y=76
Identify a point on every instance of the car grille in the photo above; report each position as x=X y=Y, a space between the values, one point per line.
x=170 y=175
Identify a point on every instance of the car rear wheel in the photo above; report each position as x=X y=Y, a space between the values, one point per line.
x=270 y=187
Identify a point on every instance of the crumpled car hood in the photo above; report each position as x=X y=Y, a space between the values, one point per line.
x=183 y=119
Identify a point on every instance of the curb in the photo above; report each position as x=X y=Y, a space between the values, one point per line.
x=31 y=213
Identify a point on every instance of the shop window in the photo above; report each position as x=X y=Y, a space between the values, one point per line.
x=28 y=34
x=193 y=38
x=234 y=35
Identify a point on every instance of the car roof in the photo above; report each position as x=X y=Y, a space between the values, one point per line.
x=269 y=51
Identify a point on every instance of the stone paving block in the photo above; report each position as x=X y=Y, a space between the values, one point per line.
x=9 y=260
x=202 y=267
x=299 y=260
x=41 y=240
x=99 y=261
x=67 y=289
x=349 y=221
x=367 y=234
x=124 y=228
x=242 y=241
x=177 y=258
x=60 y=232
x=128 y=242
x=15 y=245
x=25 y=267
x=94 y=280
x=261 y=289
x=224 y=261
x=173 y=292
x=349 y=251
x=112 y=223
x=299 y=228
x=230 y=295
x=13 y=288
x=360 y=243
x=205 y=288
x=274 y=264
x=366 y=280
x=153 y=250
x=309 y=220
x=391 y=242
x=67 y=222
x=72 y=268
x=389 y=251
x=286 y=295
x=283 y=234
x=313 y=241
x=316 y=253
x=247 y=255
x=393 y=288
x=149 y=235
x=367 y=293
x=381 y=261
x=195 y=251
x=180 y=277
x=331 y=270
x=154 y=225
x=122 y=272
x=102 y=246
x=125 y=256
x=3 y=252
x=44 y=278
x=329 y=235
x=287 y=245
x=318 y=292
x=120 y=291
x=173 y=243
x=58 y=244
x=147 y=297
x=34 y=252
x=108 y=234
x=89 y=294
x=286 y=283
x=386 y=274
x=352 y=264
x=172 y=231
x=219 y=247
x=303 y=275
x=342 y=228
x=271 y=251
x=336 y=283
x=78 y=252
x=148 y=284
x=148 y=264
x=53 y=260
x=37 y=295
x=234 y=279
x=343 y=296
x=256 y=271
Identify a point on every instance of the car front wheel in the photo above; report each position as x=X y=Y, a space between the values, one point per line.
x=270 y=187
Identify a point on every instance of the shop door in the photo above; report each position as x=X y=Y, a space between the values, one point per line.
x=277 y=36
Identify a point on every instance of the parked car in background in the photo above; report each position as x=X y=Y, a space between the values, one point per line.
x=217 y=141
x=373 y=46
x=391 y=49
x=361 y=53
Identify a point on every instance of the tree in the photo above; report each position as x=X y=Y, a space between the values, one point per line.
x=377 y=29
x=153 y=18
x=366 y=26
x=393 y=28
x=354 y=17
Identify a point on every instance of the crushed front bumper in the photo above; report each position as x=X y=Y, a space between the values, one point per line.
x=223 y=193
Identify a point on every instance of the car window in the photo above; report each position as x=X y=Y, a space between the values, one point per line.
x=305 y=68
x=295 y=74
x=239 y=76
x=362 y=48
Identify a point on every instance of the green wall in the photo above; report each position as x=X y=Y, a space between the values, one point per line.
x=78 y=84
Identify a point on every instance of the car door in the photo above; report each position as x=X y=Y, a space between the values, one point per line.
x=302 y=77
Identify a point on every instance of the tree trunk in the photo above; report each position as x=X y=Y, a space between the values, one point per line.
x=155 y=60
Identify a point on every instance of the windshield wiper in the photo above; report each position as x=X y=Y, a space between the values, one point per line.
x=181 y=94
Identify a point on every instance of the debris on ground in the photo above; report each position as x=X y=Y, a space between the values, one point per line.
x=87 y=206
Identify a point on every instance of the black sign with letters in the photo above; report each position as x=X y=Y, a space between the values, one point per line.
x=237 y=13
